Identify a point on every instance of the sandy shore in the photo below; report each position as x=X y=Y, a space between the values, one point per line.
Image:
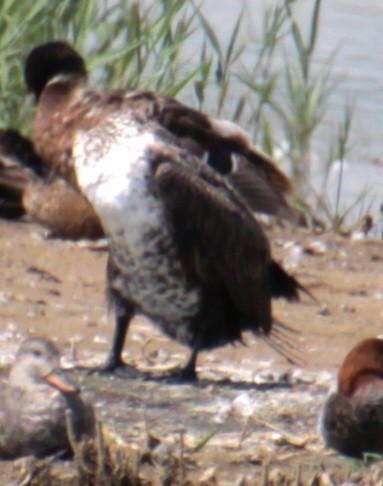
x=258 y=406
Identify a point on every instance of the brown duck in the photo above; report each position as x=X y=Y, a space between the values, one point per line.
x=175 y=190
x=26 y=187
x=352 y=419
x=34 y=404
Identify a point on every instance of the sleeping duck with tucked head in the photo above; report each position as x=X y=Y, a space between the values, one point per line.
x=175 y=191
x=352 y=418
x=28 y=187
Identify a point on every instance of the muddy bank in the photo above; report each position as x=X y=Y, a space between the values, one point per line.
x=251 y=406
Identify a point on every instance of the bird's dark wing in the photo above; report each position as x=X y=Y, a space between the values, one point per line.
x=18 y=164
x=13 y=181
x=220 y=242
x=226 y=148
x=254 y=185
x=222 y=144
x=18 y=151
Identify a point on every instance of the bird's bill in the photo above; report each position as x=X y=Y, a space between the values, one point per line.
x=61 y=381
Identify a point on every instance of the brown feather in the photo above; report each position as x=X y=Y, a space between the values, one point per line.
x=27 y=188
x=72 y=106
x=220 y=241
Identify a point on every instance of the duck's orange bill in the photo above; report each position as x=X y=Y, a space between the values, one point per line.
x=61 y=381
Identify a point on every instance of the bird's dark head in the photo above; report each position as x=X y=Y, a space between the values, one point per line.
x=52 y=59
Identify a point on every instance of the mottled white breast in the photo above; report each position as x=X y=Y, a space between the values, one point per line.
x=116 y=176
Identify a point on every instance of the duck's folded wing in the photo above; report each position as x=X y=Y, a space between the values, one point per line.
x=219 y=241
x=18 y=151
x=224 y=146
x=229 y=151
x=13 y=181
x=255 y=186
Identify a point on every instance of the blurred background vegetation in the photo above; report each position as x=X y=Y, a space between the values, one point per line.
x=147 y=44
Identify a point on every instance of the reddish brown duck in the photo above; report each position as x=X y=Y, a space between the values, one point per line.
x=352 y=420
x=175 y=190
x=27 y=187
x=34 y=403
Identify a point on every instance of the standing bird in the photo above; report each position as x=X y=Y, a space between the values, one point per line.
x=27 y=186
x=175 y=190
x=352 y=418
x=34 y=404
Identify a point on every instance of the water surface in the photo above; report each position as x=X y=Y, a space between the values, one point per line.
x=352 y=30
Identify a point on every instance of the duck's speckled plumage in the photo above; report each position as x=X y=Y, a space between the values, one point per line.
x=352 y=418
x=34 y=402
x=185 y=247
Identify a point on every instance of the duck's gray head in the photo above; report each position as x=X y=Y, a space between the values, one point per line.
x=49 y=60
x=37 y=361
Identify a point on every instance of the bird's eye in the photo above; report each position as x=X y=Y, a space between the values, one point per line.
x=36 y=353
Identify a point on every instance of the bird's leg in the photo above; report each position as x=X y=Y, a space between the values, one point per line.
x=188 y=373
x=114 y=362
x=114 y=359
